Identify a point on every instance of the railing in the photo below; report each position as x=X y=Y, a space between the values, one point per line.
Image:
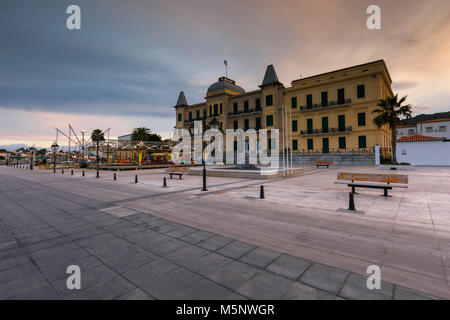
x=243 y=113
x=335 y=151
x=330 y=104
x=316 y=132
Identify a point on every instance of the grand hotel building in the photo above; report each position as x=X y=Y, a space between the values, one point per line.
x=331 y=112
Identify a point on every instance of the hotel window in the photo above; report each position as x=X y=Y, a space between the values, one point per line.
x=342 y=143
x=246 y=106
x=258 y=123
x=361 y=91
x=310 y=144
x=269 y=100
x=294 y=102
x=362 y=142
x=325 y=124
x=235 y=108
x=361 y=119
x=309 y=126
x=216 y=110
x=269 y=121
x=429 y=129
x=220 y=108
x=204 y=113
x=235 y=125
x=341 y=123
x=341 y=96
x=309 y=101
x=246 y=124
x=442 y=129
x=180 y=117
x=294 y=126
x=410 y=131
x=258 y=104
x=190 y=116
x=294 y=145
x=210 y=110
x=324 y=96
x=198 y=114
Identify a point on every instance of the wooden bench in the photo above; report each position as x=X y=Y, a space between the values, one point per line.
x=177 y=171
x=373 y=180
x=323 y=163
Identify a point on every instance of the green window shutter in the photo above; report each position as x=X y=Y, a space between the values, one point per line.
x=361 y=90
x=294 y=102
x=310 y=144
x=362 y=143
x=294 y=126
x=235 y=124
x=269 y=100
x=294 y=145
x=361 y=119
x=342 y=143
x=269 y=121
x=258 y=123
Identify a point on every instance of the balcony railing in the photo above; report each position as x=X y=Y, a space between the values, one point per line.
x=335 y=151
x=244 y=112
x=316 y=132
x=330 y=104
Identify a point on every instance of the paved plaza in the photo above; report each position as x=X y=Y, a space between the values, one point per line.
x=144 y=241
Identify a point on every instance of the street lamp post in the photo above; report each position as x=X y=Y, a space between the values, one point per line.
x=54 y=147
x=32 y=157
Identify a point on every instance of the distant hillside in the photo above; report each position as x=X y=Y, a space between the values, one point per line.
x=426 y=117
x=13 y=147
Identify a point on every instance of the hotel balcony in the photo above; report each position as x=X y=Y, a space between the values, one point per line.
x=193 y=119
x=317 y=132
x=244 y=113
x=331 y=104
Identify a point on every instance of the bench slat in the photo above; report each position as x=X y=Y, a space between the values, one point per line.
x=373 y=177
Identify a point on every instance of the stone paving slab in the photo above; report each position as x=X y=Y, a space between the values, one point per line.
x=145 y=256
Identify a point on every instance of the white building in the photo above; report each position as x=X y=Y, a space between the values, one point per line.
x=423 y=150
x=439 y=128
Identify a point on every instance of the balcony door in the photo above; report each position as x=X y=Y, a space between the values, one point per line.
x=325 y=145
x=341 y=123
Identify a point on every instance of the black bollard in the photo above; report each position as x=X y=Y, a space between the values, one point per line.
x=71 y=172
x=351 y=202
x=115 y=177
x=164 y=182
x=82 y=174
x=261 y=192
x=98 y=175
x=135 y=179
x=62 y=171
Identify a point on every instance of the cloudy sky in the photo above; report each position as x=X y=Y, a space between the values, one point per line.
x=127 y=64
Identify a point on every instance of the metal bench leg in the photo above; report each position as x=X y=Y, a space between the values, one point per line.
x=170 y=176
x=180 y=176
x=385 y=192
x=353 y=190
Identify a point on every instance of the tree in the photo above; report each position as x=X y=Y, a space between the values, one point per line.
x=144 y=134
x=41 y=152
x=97 y=135
x=389 y=112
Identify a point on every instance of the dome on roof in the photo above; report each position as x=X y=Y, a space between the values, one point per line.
x=225 y=83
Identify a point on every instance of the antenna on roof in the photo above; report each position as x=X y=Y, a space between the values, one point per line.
x=226 y=68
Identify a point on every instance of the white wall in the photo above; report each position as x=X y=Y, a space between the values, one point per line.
x=427 y=153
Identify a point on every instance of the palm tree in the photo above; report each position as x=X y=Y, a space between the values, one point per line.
x=97 y=135
x=144 y=134
x=390 y=111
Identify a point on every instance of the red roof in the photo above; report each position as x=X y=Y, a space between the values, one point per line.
x=418 y=137
x=436 y=120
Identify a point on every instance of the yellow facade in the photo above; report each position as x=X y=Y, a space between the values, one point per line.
x=337 y=105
